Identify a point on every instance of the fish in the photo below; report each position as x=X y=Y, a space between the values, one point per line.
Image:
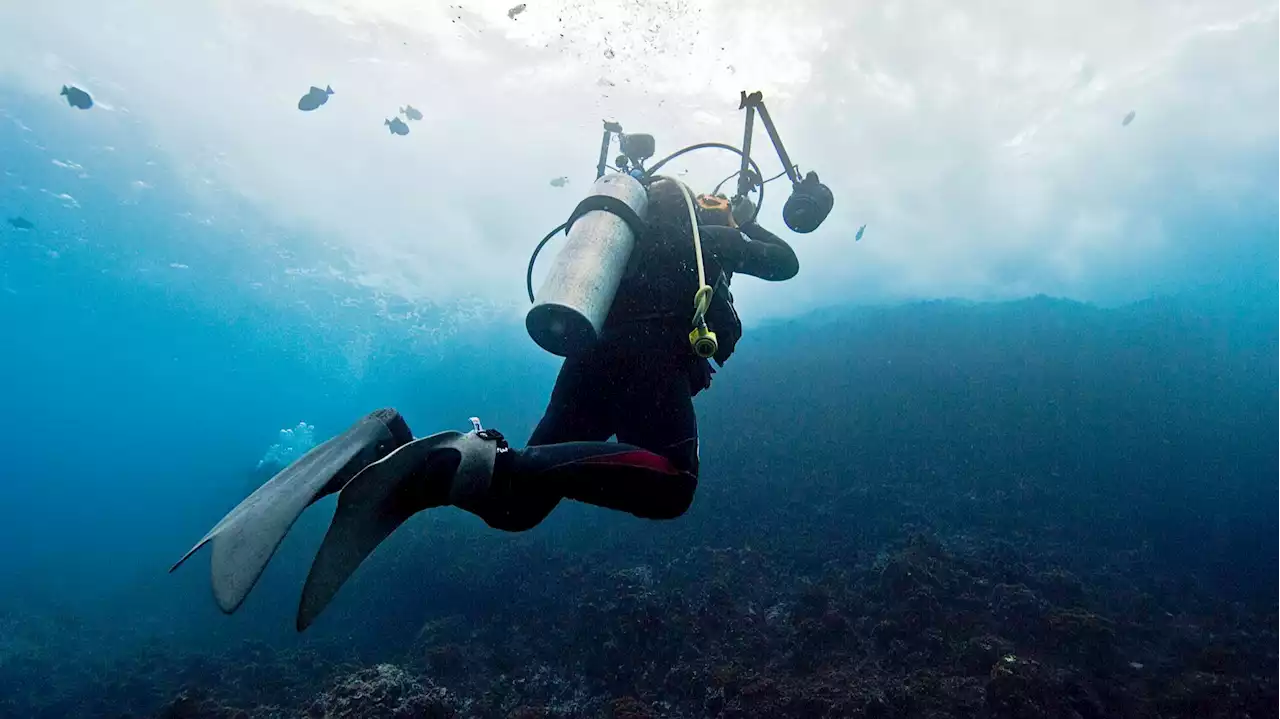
x=314 y=98
x=411 y=113
x=560 y=181
x=860 y=231
x=397 y=126
x=516 y=10
x=1128 y=118
x=76 y=97
x=21 y=223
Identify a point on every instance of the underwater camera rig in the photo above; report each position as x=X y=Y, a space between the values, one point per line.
x=569 y=310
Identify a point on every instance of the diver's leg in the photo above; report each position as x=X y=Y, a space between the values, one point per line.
x=652 y=471
x=480 y=473
x=655 y=411
x=654 y=481
x=612 y=475
x=576 y=412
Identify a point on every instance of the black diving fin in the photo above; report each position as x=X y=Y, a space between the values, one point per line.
x=449 y=468
x=246 y=538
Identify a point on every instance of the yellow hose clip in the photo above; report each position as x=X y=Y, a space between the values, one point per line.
x=704 y=342
x=702 y=339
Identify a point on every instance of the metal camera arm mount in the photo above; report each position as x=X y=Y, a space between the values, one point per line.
x=810 y=201
x=807 y=207
x=635 y=149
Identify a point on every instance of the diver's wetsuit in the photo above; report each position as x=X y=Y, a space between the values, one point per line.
x=637 y=383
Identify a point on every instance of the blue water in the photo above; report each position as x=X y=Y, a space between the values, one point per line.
x=141 y=395
x=150 y=361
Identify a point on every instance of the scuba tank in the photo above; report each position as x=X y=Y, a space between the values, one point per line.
x=569 y=310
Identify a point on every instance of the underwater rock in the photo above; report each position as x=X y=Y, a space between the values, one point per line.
x=1083 y=634
x=632 y=708
x=1208 y=695
x=192 y=704
x=314 y=98
x=1020 y=687
x=979 y=654
x=385 y=690
x=76 y=97
x=1017 y=688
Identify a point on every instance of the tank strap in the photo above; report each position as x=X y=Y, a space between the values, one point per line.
x=607 y=204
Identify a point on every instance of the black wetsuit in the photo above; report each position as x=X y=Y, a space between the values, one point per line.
x=637 y=383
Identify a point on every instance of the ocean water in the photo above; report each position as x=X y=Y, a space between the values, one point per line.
x=1013 y=454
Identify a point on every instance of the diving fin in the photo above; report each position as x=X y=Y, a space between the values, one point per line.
x=449 y=468
x=247 y=537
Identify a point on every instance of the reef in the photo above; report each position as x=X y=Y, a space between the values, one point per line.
x=924 y=627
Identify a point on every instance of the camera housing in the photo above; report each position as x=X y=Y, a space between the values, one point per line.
x=809 y=204
x=638 y=147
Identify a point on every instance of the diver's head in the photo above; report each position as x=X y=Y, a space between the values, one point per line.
x=668 y=212
x=715 y=210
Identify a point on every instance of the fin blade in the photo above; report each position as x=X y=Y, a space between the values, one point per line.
x=372 y=506
x=244 y=541
x=190 y=553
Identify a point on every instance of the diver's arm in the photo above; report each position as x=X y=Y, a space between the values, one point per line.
x=752 y=250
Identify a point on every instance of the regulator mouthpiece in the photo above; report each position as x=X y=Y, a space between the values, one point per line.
x=809 y=204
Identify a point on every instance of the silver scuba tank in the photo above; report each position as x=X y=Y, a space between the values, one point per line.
x=570 y=309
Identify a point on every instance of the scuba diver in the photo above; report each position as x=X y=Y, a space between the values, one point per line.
x=617 y=305
x=638 y=380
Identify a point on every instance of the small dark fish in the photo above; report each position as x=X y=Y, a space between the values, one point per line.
x=411 y=113
x=77 y=97
x=516 y=10
x=397 y=126
x=860 y=231
x=314 y=98
x=21 y=223
x=1128 y=118
x=560 y=181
